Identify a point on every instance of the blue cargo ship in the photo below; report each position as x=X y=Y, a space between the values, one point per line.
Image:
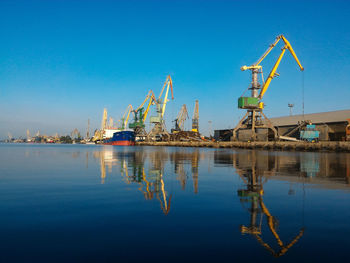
x=126 y=138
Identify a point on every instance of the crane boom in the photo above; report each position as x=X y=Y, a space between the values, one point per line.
x=127 y=113
x=168 y=83
x=273 y=71
x=150 y=94
x=287 y=45
x=181 y=117
x=152 y=100
x=256 y=67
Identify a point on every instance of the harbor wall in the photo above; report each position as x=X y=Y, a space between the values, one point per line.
x=286 y=146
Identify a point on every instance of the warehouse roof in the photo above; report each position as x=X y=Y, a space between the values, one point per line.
x=322 y=117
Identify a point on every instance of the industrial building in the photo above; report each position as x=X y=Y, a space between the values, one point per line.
x=331 y=125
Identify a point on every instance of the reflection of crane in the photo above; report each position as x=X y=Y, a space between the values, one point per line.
x=195 y=118
x=150 y=185
x=253 y=119
x=164 y=204
x=125 y=118
x=159 y=131
x=102 y=167
x=140 y=115
x=195 y=159
x=180 y=119
x=254 y=194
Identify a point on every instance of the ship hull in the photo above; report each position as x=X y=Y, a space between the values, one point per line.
x=123 y=138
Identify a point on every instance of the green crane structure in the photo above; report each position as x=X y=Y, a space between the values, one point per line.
x=140 y=115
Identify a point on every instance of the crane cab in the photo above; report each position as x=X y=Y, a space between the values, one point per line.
x=250 y=103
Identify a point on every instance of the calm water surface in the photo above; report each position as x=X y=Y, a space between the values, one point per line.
x=80 y=203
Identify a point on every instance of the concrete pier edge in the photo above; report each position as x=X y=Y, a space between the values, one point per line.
x=284 y=146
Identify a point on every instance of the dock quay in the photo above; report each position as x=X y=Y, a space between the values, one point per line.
x=333 y=146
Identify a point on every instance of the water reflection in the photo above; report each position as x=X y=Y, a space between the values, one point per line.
x=255 y=169
x=254 y=179
x=212 y=204
x=146 y=168
x=330 y=170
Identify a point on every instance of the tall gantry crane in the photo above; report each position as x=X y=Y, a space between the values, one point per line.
x=125 y=118
x=180 y=119
x=87 y=137
x=98 y=136
x=159 y=131
x=253 y=126
x=195 y=118
x=140 y=115
x=111 y=122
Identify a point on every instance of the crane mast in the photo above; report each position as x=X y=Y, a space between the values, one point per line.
x=255 y=125
x=180 y=119
x=159 y=131
x=195 y=118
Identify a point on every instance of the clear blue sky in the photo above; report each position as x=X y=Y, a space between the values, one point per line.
x=62 y=62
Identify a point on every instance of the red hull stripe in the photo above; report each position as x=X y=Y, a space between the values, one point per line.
x=124 y=143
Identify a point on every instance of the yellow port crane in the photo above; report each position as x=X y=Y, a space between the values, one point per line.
x=195 y=118
x=111 y=122
x=140 y=115
x=252 y=126
x=180 y=119
x=125 y=118
x=98 y=136
x=159 y=131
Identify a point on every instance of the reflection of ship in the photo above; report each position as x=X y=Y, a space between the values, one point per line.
x=253 y=194
x=121 y=138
